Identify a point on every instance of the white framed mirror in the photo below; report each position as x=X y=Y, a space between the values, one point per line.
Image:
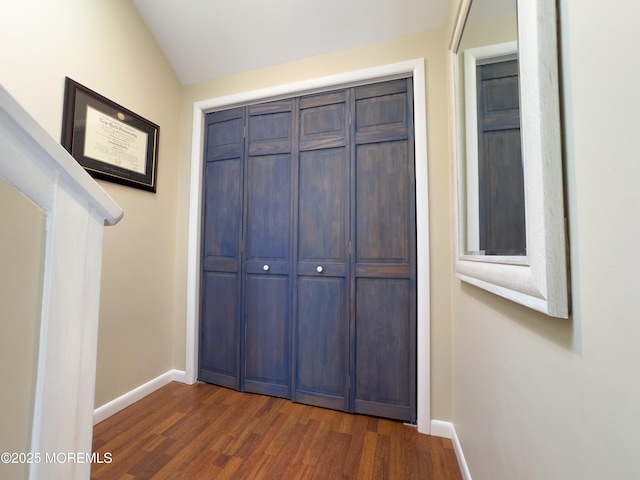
x=505 y=108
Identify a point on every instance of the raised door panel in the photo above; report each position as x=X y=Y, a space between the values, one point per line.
x=321 y=342
x=382 y=203
x=219 y=352
x=266 y=358
x=323 y=204
x=383 y=339
x=268 y=208
x=224 y=137
x=270 y=128
x=382 y=112
x=384 y=277
x=222 y=215
x=323 y=121
x=221 y=245
x=267 y=250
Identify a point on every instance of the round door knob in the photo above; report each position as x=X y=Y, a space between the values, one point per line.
x=265 y=268
x=319 y=269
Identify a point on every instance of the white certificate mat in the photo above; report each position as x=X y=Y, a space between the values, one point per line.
x=111 y=141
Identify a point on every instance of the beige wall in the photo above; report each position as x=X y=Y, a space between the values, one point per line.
x=542 y=398
x=430 y=45
x=21 y=253
x=104 y=45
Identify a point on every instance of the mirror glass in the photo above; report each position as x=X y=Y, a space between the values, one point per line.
x=494 y=197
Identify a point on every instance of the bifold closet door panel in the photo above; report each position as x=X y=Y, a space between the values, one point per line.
x=267 y=282
x=384 y=252
x=221 y=250
x=321 y=330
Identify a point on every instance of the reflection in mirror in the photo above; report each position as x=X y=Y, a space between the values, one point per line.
x=495 y=209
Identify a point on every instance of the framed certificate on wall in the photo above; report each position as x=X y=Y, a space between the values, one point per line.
x=111 y=142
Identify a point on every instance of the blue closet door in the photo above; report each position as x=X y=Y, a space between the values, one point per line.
x=267 y=250
x=221 y=279
x=322 y=302
x=384 y=265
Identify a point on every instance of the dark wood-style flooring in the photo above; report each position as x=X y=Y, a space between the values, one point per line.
x=206 y=432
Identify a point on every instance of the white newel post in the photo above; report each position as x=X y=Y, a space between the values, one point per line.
x=76 y=211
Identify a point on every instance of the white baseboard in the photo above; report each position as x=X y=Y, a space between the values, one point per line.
x=447 y=430
x=129 y=398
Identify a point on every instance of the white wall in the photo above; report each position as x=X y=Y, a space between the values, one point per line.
x=541 y=398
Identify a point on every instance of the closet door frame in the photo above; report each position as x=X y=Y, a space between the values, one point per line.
x=414 y=68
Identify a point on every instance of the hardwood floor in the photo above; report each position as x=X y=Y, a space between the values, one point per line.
x=207 y=432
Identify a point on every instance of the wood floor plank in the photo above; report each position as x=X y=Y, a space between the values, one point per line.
x=381 y=460
x=314 y=451
x=207 y=432
x=296 y=462
x=284 y=448
x=354 y=454
x=367 y=460
x=230 y=469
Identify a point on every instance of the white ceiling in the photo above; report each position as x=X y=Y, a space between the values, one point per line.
x=204 y=39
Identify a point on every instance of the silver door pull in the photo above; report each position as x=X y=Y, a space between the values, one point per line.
x=265 y=268
x=319 y=269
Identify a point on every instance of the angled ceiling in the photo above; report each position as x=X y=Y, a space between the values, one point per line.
x=204 y=39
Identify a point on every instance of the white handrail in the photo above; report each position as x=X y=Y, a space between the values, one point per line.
x=76 y=209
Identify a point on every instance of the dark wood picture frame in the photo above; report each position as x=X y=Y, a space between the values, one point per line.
x=111 y=142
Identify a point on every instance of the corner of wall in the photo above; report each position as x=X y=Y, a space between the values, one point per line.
x=129 y=398
x=447 y=430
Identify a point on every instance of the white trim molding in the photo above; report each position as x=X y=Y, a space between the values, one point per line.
x=129 y=398
x=76 y=210
x=414 y=68
x=447 y=430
